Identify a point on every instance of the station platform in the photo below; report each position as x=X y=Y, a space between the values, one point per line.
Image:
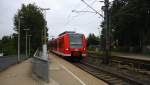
x=66 y=73
x=132 y=56
x=61 y=72
x=19 y=74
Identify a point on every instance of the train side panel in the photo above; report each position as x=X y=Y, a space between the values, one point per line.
x=70 y=45
x=66 y=45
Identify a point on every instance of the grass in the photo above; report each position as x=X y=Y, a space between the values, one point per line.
x=97 y=53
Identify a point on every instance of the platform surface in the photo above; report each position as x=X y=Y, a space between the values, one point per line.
x=132 y=56
x=61 y=72
x=66 y=73
x=21 y=74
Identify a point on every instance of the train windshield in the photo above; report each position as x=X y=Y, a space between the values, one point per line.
x=75 y=40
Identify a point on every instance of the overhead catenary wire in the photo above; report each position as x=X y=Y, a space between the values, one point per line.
x=79 y=13
x=95 y=11
x=90 y=3
x=92 y=8
x=70 y=15
x=71 y=18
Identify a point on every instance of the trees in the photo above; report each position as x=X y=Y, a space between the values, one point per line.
x=32 y=18
x=129 y=23
x=7 y=45
x=92 y=40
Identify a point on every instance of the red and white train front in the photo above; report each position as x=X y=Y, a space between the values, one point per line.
x=70 y=45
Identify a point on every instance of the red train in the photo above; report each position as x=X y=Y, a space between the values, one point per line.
x=69 y=44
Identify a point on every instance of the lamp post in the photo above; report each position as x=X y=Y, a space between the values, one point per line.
x=18 y=58
x=45 y=38
x=26 y=41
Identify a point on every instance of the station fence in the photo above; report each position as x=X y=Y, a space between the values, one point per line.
x=40 y=66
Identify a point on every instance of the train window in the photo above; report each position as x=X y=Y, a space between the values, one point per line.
x=75 y=40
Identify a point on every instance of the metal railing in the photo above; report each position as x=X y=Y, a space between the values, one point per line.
x=40 y=66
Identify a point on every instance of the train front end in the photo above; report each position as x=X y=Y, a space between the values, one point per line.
x=76 y=46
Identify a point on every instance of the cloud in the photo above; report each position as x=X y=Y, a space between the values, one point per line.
x=60 y=18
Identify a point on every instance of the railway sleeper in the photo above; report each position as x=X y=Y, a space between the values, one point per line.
x=122 y=83
x=106 y=77
x=125 y=67
x=144 y=71
x=112 y=79
x=100 y=74
x=116 y=82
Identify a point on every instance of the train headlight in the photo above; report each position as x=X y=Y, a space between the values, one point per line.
x=83 y=48
x=67 y=49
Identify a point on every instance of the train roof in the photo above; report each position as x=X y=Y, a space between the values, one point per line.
x=69 y=32
x=66 y=32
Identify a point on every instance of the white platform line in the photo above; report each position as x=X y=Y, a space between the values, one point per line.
x=73 y=75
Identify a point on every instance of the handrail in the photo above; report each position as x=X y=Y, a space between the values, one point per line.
x=36 y=52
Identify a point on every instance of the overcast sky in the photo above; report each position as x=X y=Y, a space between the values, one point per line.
x=59 y=19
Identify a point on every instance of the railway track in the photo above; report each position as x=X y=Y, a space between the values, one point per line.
x=140 y=66
x=114 y=75
x=132 y=62
x=110 y=79
x=107 y=76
